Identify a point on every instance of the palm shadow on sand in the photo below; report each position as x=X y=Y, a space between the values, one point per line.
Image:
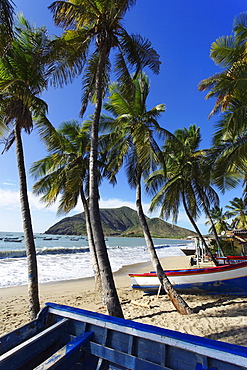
x=222 y=301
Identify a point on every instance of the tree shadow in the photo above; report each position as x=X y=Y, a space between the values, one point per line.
x=151 y=315
x=222 y=301
x=241 y=341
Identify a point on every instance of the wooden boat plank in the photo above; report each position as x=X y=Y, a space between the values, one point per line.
x=221 y=351
x=62 y=357
x=122 y=359
x=17 y=336
x=123 y=344
x=30 y=348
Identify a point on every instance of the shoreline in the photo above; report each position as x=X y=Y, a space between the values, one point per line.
x=139 y=267
x=218 y=317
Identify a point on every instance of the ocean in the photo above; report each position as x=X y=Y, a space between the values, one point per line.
x=63 y=257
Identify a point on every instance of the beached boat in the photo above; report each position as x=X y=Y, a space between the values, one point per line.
x=228 y=279
x=64 y=337
x=229 y=260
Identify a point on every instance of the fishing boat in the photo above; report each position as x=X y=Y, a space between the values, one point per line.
x=15 y=240
x=64 y=337
x=229 y=260
x=227 y=279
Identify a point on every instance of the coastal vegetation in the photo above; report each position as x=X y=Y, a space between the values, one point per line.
x=132 y=142
x=64 y=173
x=24 y=73
x=171 y=166
x=93 y=29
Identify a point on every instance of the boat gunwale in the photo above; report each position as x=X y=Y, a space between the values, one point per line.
x=223 y=351
x=196 y=271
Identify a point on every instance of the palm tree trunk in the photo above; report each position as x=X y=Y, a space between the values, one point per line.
x=211 y=222
x=178 y=302
x=215 y=232
x=110 y=296
x=95 y=264
x=198 y=231
x=33 y=293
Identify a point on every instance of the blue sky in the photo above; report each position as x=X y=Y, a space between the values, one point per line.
x=181 y=32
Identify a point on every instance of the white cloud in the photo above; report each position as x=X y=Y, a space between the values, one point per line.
x=116 y=203
x=11 y=200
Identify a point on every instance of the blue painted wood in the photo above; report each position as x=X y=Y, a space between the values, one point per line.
x=198 y=345
x=199 y=366
x=233 y=287
x=30 y=348
x=150 y=329
x=17 y=336
x=119 y=344
x=123 y=359
x=61 y=358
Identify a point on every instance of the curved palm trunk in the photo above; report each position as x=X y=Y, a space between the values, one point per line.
x=178 y=302
x=33 y=294
x=215 y=232
x=211 y=222
x=198 y=231
x=108 y=286
x=95 y=264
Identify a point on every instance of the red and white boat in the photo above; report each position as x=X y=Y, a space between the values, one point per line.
x=230 y=260
x=227 y=279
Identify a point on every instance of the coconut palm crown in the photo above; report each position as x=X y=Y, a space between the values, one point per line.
x=24 y=74
x=93 y=29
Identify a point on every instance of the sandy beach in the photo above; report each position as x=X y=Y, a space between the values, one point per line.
x=217 y=317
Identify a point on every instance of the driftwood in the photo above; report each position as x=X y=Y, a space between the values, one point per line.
x=140 y=304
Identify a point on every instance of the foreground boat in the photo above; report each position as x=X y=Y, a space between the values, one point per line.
x=64 y=337
x=228 y=279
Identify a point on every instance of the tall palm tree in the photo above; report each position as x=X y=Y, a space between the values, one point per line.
x=6 y=24
x=186 y=181
x=24 y=73
x=219 y=219
x=238 y=210
x=228 y=154
x=229 y=89
x=228 y=52
x=65 y=172
x=96 y=26
x=132 y=131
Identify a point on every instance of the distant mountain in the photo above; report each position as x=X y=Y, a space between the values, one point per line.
x=122 y=221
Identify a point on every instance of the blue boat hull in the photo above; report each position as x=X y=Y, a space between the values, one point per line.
x=68 y=338
x=230 y=279
x=235 y=287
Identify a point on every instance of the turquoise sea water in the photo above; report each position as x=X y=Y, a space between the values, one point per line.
x=67 y=257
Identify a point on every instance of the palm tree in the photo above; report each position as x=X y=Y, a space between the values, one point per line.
x=6 y=24
x=228 y=52
x=65 y=172
x=132 y=133
x=23 y=76
x=187 y=181
x=238 y=208
x=219 y=219
x=96 y=26
x=229 y=89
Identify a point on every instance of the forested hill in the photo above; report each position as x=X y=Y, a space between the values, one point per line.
x=119 y=222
